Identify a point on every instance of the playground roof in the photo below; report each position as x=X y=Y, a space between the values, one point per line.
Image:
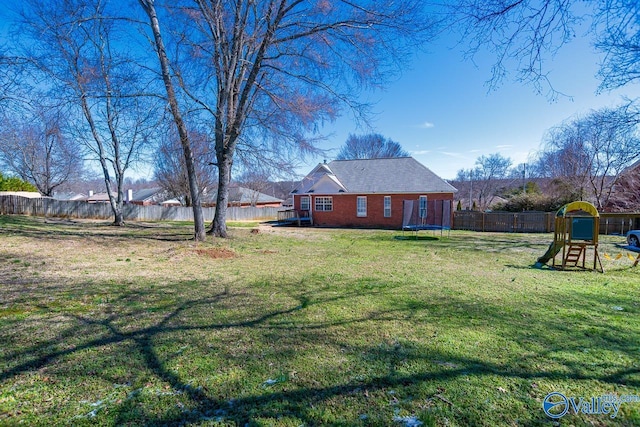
x=388 y=175
x=578 y=206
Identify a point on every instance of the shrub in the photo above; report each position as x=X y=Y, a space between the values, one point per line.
x=531 y=202
x=13 y=183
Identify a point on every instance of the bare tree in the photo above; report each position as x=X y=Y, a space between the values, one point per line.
x=16 y=85
x=615 y=25
x=36 y=149
x=171 y=170
x=371 y=146
x=565 y=160
x=268 y=72
x=626 y=192
x=524 y=34
x=483 y=182
x=7 y=80
x=487 y=174
x=592 y=151
x=167 y=77
x=257 y=181
x=464 y=182
x=613 y=146
x=76 y=49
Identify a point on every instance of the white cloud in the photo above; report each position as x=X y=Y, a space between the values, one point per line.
x=504 y=146
x=420 y=152
x=426 y=125
x=453 y=154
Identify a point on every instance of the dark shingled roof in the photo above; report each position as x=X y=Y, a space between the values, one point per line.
x=146 y=193
x=389 y=175
x=244 y=195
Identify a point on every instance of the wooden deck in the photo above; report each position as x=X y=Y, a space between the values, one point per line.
x=292 y=216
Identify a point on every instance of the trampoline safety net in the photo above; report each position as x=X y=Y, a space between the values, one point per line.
x=436 y=216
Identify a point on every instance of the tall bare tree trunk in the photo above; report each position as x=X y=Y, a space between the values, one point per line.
x=219 y=224
x=198 y=218
x=116 y=204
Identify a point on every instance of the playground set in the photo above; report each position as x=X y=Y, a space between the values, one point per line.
x=576 y=233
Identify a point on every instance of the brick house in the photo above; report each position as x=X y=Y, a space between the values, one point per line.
x=367 y=193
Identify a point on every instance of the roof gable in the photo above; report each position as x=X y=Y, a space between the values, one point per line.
x=312 y=178
x=327 y=184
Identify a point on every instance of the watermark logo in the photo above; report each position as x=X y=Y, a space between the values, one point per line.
x=556 y=405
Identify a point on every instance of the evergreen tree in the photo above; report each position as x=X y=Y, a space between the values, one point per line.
x=13 y=183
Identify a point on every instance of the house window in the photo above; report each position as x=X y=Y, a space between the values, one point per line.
x=324 y=204
x=387 y=206
x=361 y=203
x=305 y=203
x=423 y=206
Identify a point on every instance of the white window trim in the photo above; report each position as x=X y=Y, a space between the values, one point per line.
x=361 y=213
x=422 y=212
x=308 y=200
x=386 y=209
x=323 y=204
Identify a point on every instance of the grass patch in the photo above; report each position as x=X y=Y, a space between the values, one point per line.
x=243 y=224
x=138 y=325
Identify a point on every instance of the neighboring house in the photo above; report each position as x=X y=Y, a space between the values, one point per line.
x=367 y=193
x=143 y=197
x=170 y=203
x=146 y=196
x=69 y=196
x=27 y=194
x=97 y=197
x=244 y=197
x=288 y=203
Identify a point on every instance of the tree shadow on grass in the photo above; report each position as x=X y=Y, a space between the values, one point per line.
x=57 y=229
x=417 y=238
x=143 y=332
x=299 y=401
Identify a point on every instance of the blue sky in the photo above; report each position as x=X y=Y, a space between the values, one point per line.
x=441 y=111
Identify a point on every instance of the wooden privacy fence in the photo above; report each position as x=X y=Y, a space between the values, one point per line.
x=536 y=222
x=17 y=205
x=619 y=223
x=517 y=222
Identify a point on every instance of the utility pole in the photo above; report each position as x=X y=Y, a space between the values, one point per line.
x=470 y=188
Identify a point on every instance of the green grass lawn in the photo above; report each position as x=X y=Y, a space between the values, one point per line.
x=140 y=326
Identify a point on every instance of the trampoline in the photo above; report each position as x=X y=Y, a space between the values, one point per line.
x=426 y=215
